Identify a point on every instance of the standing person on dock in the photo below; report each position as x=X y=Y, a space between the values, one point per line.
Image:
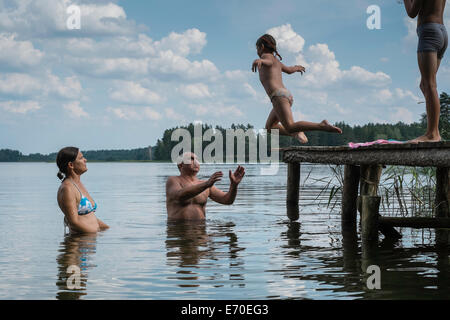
x=433 y=41
x=186 y=195
x=270 y=74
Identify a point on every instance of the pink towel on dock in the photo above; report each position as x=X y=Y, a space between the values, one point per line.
x=354 y=145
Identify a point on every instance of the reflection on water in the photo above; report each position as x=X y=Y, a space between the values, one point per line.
x=192 y=245
x=249 y=250
x=75 y=250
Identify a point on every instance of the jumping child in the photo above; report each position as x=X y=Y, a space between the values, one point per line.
x=270 y=69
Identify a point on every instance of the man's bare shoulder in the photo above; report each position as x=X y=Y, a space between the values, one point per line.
x=173 y=180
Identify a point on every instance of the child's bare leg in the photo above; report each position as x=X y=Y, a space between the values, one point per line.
x=300 y=136
x=283 y=112
x=273 y=123
x=429 y=65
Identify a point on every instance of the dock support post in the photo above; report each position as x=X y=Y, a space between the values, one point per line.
x=370 y=179
x=369 y=217
x=442 y=202
x=350 y=196
x=293 y=189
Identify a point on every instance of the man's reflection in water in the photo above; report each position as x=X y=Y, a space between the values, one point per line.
x=75 y=250
x=189 y=242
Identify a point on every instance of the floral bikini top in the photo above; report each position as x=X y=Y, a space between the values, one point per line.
x=85 y=206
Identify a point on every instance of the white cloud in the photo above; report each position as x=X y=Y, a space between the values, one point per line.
x=384 y=95
x=75 y=111
x=183 y=44
x=132 y=92
x=46 y=18
x=113 y=67
x=124 y=113
x=411 y=37
x=361 y=76
x=324 y=70
x=403 y=115
x=168 y=63
x=287 y=39
x=18 y=54
x=22 y=107
x=401 y=94
x=173 y=115
x=195 y=91
x=19 y=84
x=149 y=113
x=135 y=113
x=216 y=110
x=69 y=88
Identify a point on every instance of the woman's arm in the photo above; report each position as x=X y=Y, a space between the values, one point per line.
x=412 y=7
x=102 y=225
x=69 y=208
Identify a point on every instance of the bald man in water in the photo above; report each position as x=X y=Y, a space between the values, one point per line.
x=433 y=41
x=186 y=195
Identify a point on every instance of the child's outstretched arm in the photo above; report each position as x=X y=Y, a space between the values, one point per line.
x=264 y=61
x=293 y=69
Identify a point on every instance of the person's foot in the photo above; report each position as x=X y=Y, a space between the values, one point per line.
x=301 y=137
x=326 y=126
x=426 y=138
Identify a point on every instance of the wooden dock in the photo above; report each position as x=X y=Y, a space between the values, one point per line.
x=363 y=167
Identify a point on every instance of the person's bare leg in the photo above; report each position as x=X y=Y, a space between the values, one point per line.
x=283 y=112
x=273 y=123
x=428 y=66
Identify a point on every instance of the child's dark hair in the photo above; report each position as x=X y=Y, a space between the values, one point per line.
x=269 y=42
x=65 y=155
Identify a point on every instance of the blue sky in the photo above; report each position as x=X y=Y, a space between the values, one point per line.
x=136 y=68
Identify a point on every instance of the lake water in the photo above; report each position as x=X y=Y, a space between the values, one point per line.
x=248 y=250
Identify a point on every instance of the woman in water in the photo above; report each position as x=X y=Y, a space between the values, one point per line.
x=73 y=199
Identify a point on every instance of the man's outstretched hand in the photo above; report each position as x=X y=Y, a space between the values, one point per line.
x=217 y=176
x=237 y=175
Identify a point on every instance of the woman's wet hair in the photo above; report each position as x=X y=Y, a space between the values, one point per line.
x=269 y=42
x=65 y=155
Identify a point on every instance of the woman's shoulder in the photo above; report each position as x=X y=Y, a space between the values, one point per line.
x=66 y=188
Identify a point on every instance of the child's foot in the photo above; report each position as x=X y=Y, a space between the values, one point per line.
x=326 y=126
x=426 y=138
x=301 y=137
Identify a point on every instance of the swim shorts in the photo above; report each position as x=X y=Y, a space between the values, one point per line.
x=432 y=37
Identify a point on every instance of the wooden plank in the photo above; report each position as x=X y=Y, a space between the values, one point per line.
x=369 y=217
x=293 y=189
x=442 y=203
x=443 y=192
x=350 y=194
x=403 y=146
x=418 y=223
x=421 y=155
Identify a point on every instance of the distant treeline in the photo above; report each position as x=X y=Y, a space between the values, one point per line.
x=140 y=154
x=369 y=132
x=163 y=149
